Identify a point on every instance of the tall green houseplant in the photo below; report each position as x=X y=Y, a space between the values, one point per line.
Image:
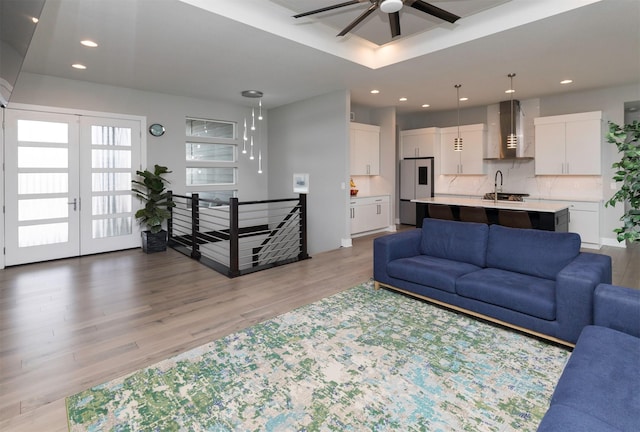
x=627 y=140
x=151 y=190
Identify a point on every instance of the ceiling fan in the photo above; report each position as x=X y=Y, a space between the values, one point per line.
x=392 y=7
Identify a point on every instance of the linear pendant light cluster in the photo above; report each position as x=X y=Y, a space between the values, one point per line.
x=457 y=142
x=250 y=135
x=512 y=139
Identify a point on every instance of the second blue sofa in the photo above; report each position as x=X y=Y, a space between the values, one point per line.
x=599 y=390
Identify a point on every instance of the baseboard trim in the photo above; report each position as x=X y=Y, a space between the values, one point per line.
x=605 y=241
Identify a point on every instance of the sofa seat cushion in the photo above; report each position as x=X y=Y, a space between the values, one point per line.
x=602 y=378
x=430 y=271
x=523 y=293
x=459 y=241
x=562 y=418
x=533 y=252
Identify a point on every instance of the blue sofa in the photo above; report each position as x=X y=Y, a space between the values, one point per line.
x=532 y=280
x=599 y=390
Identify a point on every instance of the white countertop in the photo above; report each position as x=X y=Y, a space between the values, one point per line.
x=546 y=207
x=574 y=198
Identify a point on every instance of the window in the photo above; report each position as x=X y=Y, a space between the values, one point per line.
x=211 y=176
x=211 y=154
x=211 y=128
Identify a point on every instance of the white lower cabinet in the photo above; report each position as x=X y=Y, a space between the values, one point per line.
x=584 y=219
x=369 y=213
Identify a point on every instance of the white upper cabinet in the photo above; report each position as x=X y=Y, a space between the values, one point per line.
x=419 y=142
x=569 y=144
x=470 y=159
x=365 y=149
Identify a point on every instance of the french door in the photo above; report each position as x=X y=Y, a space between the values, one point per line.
x=68 y=185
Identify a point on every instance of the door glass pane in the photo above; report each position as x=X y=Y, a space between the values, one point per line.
x=109 y=204
x=204 y=176
x=46 y=234
x=42 y=157
x=109 y=182
x=111 y=227
x=110 y=159
x=47 y=208
x=110 y=135
x=42 y=183
x=42 y=131
x=210 y=152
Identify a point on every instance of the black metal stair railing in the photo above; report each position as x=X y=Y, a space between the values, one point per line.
x=236 y=238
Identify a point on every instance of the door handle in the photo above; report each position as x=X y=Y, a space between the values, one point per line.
x=75 y=204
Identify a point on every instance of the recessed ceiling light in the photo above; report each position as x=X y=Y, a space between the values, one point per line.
x=78 y=66
x=35 y=20
x=567 y=81
x=425 y=105
x=375 y=91
x=403 y=99
x=510 y=91
x=464 y=99
x=89 y=43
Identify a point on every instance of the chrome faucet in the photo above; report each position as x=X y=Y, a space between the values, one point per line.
x=495 y=186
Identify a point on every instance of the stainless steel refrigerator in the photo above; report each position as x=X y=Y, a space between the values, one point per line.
x=416 y=181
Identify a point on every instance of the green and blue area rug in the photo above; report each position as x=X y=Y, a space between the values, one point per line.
x=361 y=360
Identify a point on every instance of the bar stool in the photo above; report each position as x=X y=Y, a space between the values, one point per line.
x=473 y=214
x=440 y=211
x=514 y=218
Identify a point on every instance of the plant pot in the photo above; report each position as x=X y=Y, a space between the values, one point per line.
x=154 y=242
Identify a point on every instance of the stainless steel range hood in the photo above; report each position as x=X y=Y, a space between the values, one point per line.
x=506 y=123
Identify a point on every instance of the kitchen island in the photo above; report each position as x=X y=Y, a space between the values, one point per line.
x=544 y=216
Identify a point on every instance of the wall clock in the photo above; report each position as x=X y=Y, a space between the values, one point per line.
x=156 y=130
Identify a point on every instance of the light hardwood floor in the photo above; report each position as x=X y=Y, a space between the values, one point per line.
x=71 y=324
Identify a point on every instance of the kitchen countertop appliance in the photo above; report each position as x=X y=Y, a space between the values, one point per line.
x=416 y=181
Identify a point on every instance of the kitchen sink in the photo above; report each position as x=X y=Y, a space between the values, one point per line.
x=505 y=196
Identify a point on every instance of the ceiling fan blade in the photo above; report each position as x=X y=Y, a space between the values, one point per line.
x=435 y=11
x=328 y=8
x=358 y=20
x=394 y=22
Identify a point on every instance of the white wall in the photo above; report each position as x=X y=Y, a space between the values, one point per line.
x=168 y=110
x=312 y=136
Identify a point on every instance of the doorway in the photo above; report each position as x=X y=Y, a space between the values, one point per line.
x=68 y=185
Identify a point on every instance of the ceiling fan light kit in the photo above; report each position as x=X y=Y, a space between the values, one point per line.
x=391 y=7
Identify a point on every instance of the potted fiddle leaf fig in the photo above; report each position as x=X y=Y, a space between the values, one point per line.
x=627 y=139
x=150 y=188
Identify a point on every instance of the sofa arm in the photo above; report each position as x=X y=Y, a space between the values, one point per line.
x=575 y=285
x=618 y=308
x=394 y=246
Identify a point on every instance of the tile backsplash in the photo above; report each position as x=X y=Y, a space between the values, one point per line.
x=519 y=177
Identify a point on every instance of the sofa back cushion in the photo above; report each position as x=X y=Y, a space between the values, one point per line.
x=533 y=252
x=458 y=241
